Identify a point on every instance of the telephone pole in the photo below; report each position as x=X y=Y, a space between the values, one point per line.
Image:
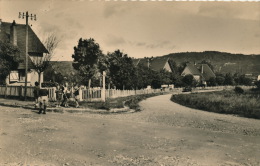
x=33 y=17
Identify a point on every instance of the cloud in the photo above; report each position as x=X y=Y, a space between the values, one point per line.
x=159 y=44
x=247 y=11
x=112 y=40
x=116 y=9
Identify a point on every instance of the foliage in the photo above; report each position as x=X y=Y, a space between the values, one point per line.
x=227 y=102
x=121 y=70
x=257 y=83
x=41 y=63
x=86 y=56
x=8 y=59
x=212 y=81
x=188 y=80
x=220 y=80
x=239 y=90
x=48 y=84
x=242 y=80
x=229 y=80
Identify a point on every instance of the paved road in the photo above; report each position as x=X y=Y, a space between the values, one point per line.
x=163 y=133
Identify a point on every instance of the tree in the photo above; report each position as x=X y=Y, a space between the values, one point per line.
x=41 y=63
x=220 y=80
x=188 y=80
x=8 y=60
x=86 y=56
x=121 y=70
x=212 y=81
x=229 y=80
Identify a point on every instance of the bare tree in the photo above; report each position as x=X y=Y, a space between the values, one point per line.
x=41 y=63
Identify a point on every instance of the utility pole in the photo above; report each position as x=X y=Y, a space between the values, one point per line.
x=33 y=17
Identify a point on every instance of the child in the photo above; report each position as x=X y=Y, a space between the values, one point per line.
x=43 y=100
x=76 y=96
x=58 y=95
x=36 y=93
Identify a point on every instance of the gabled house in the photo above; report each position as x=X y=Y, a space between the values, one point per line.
x=200 y=72
x=16 y=35
x=155 y=64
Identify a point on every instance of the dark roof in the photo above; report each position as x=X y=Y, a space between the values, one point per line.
x=206 y=71
x=34 y=43
x=201 y=69
x=193 y=69
x=35 y=46
x=155 y=64
x=158 y=64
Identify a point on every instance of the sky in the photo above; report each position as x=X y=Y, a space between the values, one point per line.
x=141 y=28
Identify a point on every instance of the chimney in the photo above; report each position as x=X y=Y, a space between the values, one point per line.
x=13 y=34
x=202 y=68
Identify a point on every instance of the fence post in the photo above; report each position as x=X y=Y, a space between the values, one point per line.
x=20 y=92
x=5 y=90
x=80 y=94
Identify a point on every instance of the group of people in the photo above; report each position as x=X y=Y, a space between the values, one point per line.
x=63 y=94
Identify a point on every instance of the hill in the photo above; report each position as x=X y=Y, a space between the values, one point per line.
x=222 y=62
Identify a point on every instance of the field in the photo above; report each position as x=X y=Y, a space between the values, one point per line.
x=227 y=102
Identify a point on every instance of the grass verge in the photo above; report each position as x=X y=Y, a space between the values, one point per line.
x=227 y=102
x=121 y=102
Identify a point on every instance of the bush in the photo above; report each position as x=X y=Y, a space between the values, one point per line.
x=239 y=90
x=48 y=84
x=257 y=83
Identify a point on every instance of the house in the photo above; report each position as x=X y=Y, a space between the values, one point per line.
x=156 y=64
x=16 y=34
x=200 y=72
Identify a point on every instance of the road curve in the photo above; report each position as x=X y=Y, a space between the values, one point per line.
x=161 y=109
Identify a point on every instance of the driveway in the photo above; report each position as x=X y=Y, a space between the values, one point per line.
x=163 y=133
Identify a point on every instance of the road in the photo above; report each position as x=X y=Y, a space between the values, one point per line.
x=163 y=133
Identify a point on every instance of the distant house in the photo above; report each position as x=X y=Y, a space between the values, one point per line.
x=155 y=64
x=16 y=34
x=200 y=72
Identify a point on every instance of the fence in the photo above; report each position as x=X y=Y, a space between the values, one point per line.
x=18 y=91
x=93 y=95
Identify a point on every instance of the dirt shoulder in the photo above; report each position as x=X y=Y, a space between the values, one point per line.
x=163 y=133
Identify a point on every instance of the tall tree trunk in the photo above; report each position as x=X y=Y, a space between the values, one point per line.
x=89 y=83
x=39 y=79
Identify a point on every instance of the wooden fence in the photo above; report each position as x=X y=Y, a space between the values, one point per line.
x=94 y=95
x=18 y=91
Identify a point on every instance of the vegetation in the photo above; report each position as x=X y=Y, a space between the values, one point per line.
x=42 y=63
x=228 y=102
x=221 y=62
x=8 y=60
x=90 y=62
x=86 y=58
x=130 y=101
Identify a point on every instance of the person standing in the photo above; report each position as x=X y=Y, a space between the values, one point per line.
x=36 y=93
x=43 y=100
x=64 y=95
x=59 y=95
x=76 y=96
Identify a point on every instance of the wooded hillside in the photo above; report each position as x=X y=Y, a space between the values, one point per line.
x=222 y=62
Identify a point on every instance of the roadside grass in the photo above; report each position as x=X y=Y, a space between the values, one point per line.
x=244 y=104
x=121 y=102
